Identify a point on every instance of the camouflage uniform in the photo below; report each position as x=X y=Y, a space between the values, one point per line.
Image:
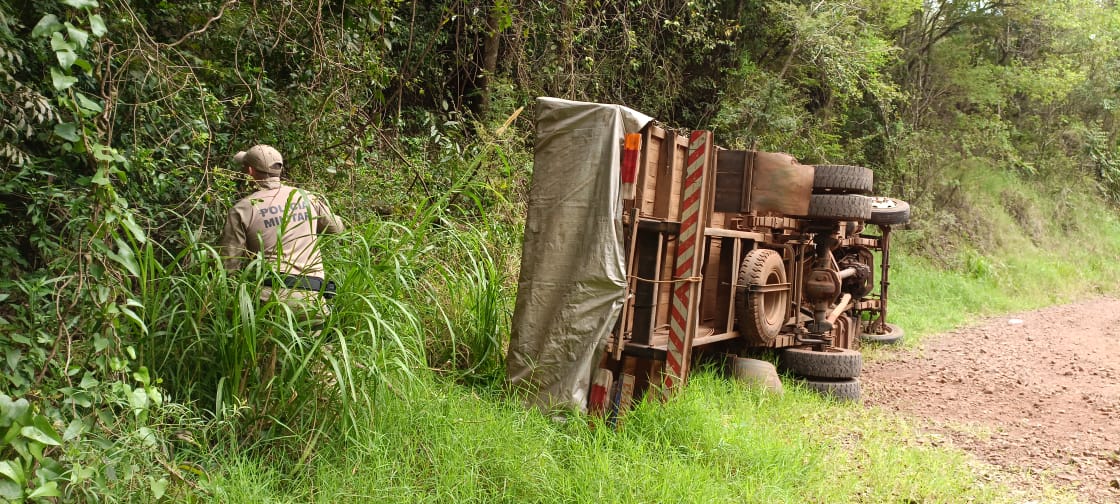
x=283 y=224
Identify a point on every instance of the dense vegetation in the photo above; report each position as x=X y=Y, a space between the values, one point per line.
x=134 y=365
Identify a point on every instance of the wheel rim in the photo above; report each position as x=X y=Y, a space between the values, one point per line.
x=772 y=302
x=881 y=203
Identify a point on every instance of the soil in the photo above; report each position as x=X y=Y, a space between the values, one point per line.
x=1035 y=394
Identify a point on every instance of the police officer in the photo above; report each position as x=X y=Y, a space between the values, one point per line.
x=283 y=224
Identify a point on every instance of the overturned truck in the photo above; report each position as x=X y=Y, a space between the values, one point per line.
x=645 y=247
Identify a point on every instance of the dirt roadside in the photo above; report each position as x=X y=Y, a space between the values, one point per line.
x=1036 y=394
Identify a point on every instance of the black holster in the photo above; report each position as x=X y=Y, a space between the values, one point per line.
x=324 y=287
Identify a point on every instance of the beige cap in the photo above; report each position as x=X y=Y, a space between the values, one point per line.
x=262 y=158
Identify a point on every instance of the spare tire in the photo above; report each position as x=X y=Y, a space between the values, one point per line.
x=761 y=315
x=888 y=211
x=842 y=179
x=893 y=335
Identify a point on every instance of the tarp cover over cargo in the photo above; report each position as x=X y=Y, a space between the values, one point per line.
x=573 y=274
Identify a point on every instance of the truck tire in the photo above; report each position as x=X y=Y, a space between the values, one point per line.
x=761 y=315
x=893 y=335
x=842 y=179
x=888 y=211
x=845 y=390
x=758 y=373
x=831 y=362
x=839 y=207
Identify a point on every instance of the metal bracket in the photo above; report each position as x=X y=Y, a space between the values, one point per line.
x=778 y=287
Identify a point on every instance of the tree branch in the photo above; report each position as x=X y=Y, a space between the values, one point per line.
x=206 y=26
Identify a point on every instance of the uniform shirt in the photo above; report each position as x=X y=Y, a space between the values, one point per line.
x=278 y=212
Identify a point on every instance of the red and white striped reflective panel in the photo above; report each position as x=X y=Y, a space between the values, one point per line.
x=629 y=168
x=600 y=392
x=682 y=312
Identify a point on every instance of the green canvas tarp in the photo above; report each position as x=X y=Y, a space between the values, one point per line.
x=573 y=272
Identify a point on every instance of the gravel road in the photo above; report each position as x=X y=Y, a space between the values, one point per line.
x=1036 y=394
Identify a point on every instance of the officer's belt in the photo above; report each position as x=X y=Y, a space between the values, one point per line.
x=326 y=288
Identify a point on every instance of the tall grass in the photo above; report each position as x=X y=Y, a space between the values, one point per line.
x=215 y=344
x=469 y=317
x=403 y=305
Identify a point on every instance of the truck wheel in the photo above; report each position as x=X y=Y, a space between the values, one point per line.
x=758 y=373
x=761 y=314
x=842 y=179
x=839 y=207
x=845 y=390
x=889 y=211
x=893 y=335
x=831 y=362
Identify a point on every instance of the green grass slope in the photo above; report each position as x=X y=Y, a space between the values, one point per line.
x=1002 y=245
x=718 y=442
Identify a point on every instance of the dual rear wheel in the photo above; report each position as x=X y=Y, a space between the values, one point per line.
x=832 y=372
x=839 y=194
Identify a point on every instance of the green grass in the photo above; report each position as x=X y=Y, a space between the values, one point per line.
x=720 y=441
